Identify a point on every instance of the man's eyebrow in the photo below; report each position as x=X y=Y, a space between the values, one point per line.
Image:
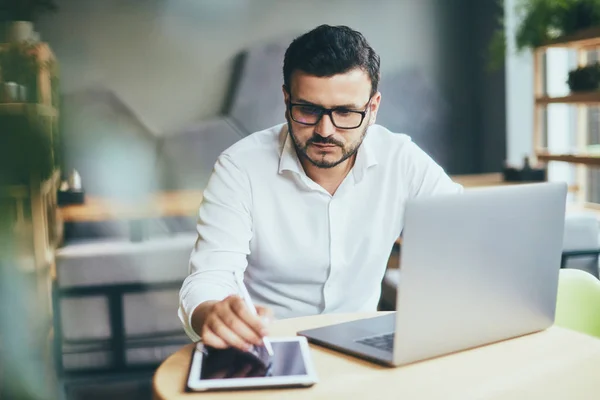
x=299 y=100
x=347 y=106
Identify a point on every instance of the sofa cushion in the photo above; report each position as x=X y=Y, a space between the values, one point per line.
x=187 y=158
x=257 y=99
x=109 y=261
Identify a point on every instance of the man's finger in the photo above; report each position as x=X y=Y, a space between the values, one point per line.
x=253 y=321
x=209 y=338
x=239 y=326
x=220 y=328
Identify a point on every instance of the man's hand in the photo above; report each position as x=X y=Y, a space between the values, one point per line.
x=229 y=323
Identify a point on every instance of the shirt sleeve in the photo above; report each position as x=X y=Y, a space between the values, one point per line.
x=427 y=177
x=224 y=231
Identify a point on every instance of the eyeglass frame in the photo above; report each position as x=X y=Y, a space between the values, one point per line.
x=329 y=111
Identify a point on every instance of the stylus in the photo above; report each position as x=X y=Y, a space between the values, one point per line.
x=246 y=296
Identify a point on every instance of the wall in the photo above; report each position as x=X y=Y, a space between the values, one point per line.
x=490 y=107
x=171 y=61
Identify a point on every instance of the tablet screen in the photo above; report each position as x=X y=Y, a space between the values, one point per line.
x=287 y=360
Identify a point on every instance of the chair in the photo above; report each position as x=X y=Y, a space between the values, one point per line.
x=581 y=247
x=390 y=281
x=578 y=302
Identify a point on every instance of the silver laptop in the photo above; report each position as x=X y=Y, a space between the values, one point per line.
x=476 y=268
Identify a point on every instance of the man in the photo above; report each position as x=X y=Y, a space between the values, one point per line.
x=309 y=210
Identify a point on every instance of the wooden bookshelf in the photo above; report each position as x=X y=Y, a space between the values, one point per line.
x=28 y=195
x=46 y=79
x=37 y=221
x=581 y=157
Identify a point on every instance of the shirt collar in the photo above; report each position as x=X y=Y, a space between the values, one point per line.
x=365 y=157
x=288 y=158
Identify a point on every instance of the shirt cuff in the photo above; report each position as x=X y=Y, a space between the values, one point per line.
x=186 y=320
x=194 y=293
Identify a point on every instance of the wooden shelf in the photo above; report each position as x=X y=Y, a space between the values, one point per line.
x=585 y=38
x=14 y=191
x=575 y=98
x=27 y=109
x=52 y=183
x=23 y=191
x=586 y=159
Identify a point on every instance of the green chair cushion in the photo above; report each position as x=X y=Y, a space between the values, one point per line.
x=578 y=302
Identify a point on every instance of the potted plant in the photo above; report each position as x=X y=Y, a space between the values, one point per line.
x=19 y=16
x=585 y=78
x=542 y=21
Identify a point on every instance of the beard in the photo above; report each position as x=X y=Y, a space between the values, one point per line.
x=347 y=151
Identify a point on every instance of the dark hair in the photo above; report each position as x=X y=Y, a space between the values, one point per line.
x=330 y=50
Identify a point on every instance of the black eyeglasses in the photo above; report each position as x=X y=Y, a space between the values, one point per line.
x=341 y=117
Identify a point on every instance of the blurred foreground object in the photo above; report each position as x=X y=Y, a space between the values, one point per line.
x=30 y=229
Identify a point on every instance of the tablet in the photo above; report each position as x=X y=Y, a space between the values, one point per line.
x=221 y=369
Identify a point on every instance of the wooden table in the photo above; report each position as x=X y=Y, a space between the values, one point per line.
x=184 y=203
x=163 y=204
x=553 y=364
x=481 y=180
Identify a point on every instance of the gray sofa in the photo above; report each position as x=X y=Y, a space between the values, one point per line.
x=115 y=302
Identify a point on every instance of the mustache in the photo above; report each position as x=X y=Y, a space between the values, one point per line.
x=318 y=139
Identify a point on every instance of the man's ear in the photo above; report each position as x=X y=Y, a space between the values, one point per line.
x=375 y=102
x=286 y=95
x=286 y=100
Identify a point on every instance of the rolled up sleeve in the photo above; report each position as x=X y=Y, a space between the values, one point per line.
x=224 y=232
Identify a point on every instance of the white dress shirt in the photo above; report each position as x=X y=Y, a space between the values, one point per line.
x=302 y=250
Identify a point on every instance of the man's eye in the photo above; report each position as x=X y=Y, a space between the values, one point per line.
x=310 y=110
x=342 y=112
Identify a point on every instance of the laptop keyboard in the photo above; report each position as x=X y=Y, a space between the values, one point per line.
x=382 y=342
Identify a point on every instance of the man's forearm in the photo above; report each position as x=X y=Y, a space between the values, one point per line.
x=199 y=290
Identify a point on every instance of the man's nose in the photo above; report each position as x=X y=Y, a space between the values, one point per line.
x=325 y=127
